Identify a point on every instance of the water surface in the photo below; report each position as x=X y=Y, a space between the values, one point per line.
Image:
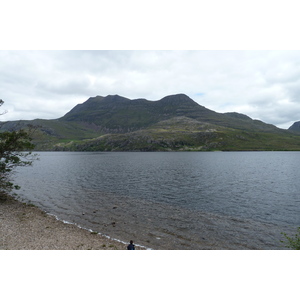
x=171 y=200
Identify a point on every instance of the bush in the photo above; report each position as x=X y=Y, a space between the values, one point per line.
x=292 y=242
x=13 y=147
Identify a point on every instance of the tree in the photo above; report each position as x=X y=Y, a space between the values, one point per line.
x=15 y=147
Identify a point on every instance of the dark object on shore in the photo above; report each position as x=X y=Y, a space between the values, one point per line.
x=131 y=246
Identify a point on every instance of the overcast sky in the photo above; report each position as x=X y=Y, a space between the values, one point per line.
x=263 y=84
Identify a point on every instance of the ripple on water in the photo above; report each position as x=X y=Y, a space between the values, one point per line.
x=171 y=200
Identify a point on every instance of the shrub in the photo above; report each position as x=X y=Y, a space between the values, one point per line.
x=12 y=147
x=292 y=242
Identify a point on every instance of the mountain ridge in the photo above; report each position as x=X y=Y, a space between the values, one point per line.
x=96 y=108
x=175 y=122
x=295 y=128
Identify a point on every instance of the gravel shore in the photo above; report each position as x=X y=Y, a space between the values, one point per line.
x=25 y=227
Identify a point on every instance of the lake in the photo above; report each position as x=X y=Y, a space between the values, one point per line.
x=171 y=200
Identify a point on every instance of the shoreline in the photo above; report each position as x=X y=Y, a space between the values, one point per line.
x=27 y=227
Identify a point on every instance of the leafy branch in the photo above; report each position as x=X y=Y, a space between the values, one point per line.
x=15 y=147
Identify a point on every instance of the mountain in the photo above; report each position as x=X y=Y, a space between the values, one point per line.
x=119 y=114
x=295 y=127
x=175 y=122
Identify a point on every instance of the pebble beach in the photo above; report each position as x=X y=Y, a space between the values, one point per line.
x=26 y=227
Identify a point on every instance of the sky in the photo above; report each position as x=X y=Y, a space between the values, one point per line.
x=264 y=84
x=56 y=54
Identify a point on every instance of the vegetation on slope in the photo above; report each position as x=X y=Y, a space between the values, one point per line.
x=185 y=134
x=176 y=122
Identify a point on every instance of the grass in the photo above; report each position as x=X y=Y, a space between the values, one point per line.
x=176 y=139
x=179 y=133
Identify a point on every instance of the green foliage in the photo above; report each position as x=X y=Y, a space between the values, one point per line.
x=292 y=242
x=12 y=147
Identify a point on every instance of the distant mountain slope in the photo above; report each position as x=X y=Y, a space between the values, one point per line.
x=186 y=134
x=176 y=122
x=119 y=114
x=295 y=127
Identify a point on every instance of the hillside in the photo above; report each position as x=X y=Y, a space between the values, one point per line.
x=295 y=128
x=176 y=122
x=119 y=114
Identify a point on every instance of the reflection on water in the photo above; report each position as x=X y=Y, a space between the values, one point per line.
x=215 y=200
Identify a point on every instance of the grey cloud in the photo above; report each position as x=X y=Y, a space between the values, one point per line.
x=262 y=84
x=73 y=85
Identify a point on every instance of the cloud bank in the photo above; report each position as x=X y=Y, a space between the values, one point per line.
x=263 y=84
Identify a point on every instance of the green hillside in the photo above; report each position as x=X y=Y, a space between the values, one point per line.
x=185 y=134
x=174 y=123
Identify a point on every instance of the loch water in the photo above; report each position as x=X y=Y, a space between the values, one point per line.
x=171 y=200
